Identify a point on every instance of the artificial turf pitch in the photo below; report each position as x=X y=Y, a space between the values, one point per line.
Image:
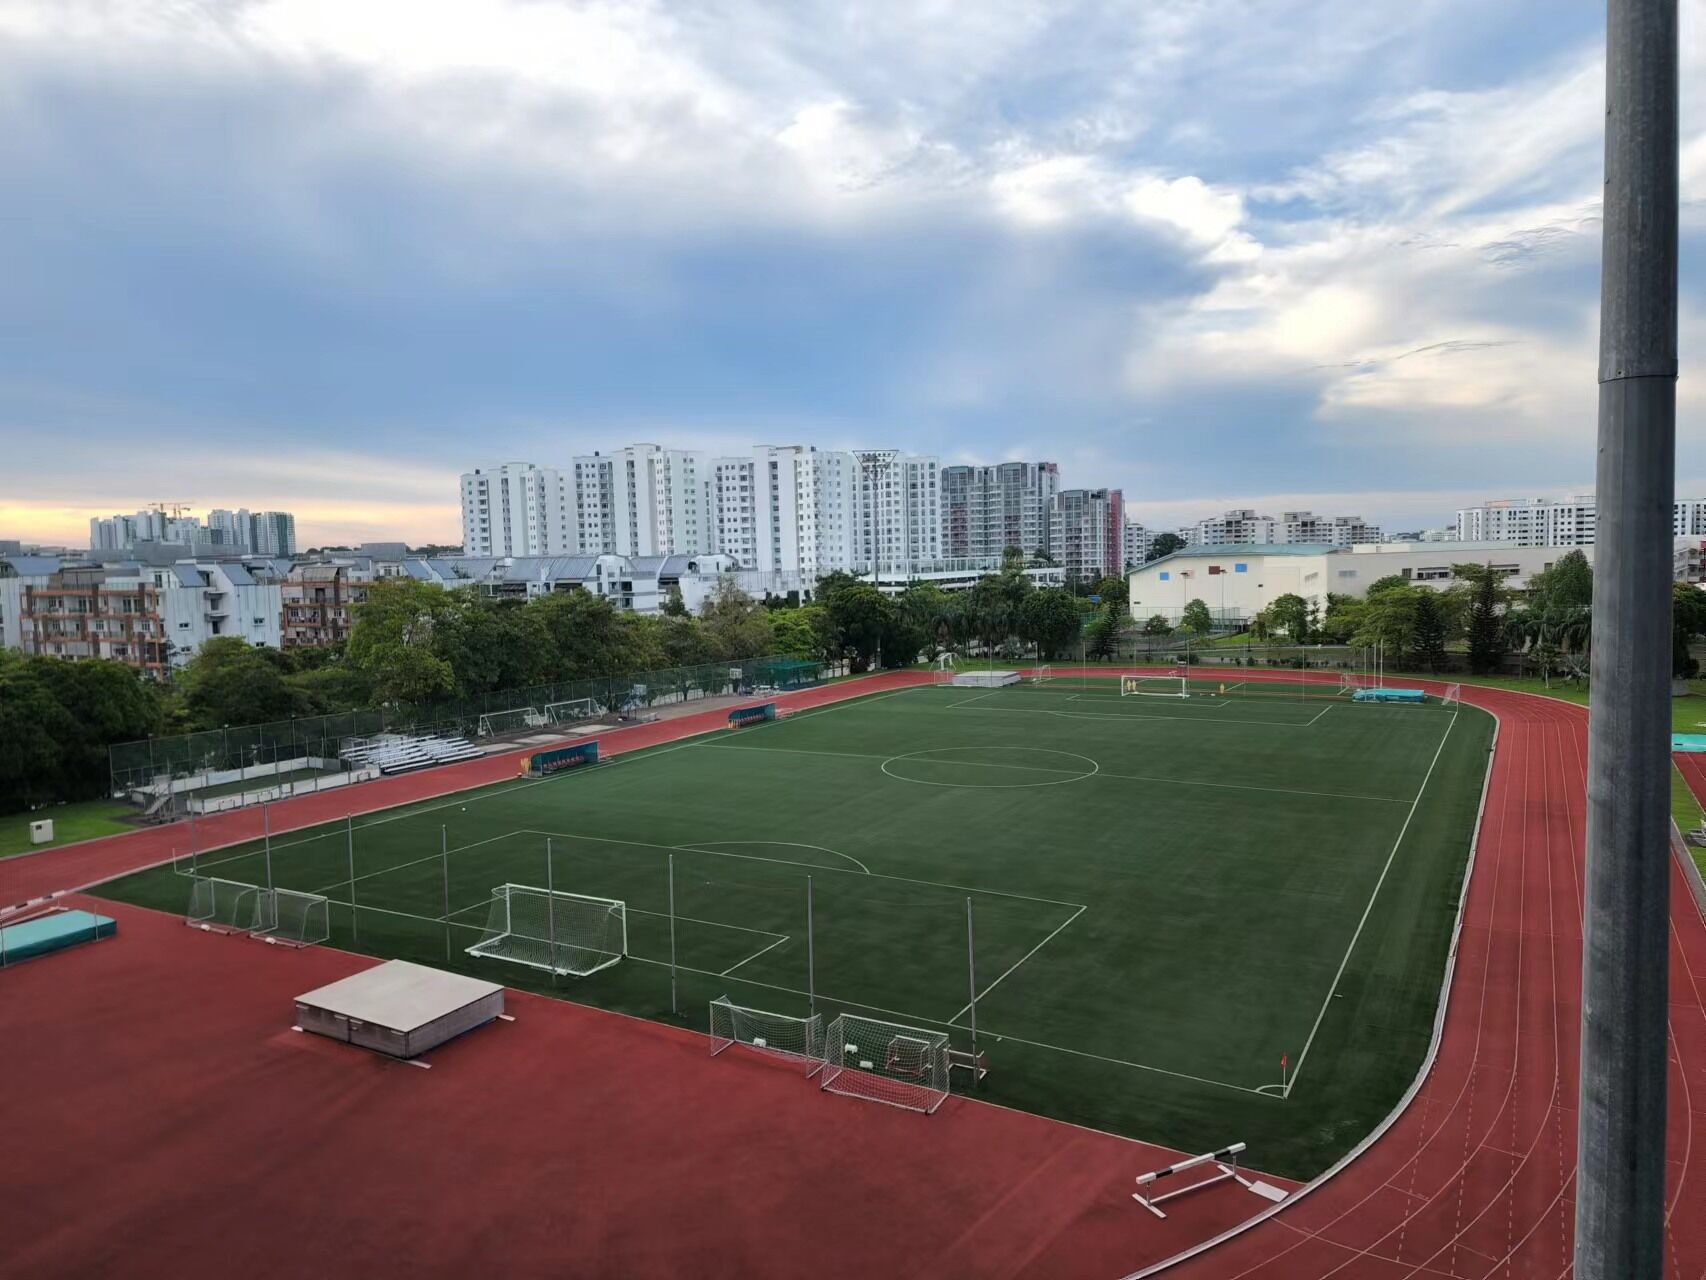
x=1167 y=894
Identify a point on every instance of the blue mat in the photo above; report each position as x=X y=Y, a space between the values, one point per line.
x=1688 y=742
x=55 y=931
x=1389 y=695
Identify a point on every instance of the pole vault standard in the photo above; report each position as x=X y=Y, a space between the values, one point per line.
x=1620 y=1201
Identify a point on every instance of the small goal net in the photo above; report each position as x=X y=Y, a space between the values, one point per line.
x=1042 y=675
x=224 y=906
x=292 y=919
x=512 y=721
x=1154 y=687
x=570 y=712
x=1453 y=695
x=782 y=1035
x=886 y=1062
x=568 y=933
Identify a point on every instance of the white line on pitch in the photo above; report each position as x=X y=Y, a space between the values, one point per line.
x=1021 y=960
x=779 y=941
x=1369 y=908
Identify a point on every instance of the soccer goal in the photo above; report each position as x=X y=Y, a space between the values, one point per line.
x=1042 y=675
x=780 y=1034
x=945 y=669
x=292 y=919
x=511 y=721
x=886 y=1062
x=559 y=932
x=1453 y=695
x=1154 y=687
x=1350 y=683
x=224 y=906
x=569 y=712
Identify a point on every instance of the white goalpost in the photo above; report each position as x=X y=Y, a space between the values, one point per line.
x=945 y=669
x=1453 y=695
x=886 y=1062
x=224 y=906
x=1042 y=674
x=568 y=933
x=798 y=1039
x=569 y=712
x=496 y=722
x=289 y=918
x=1154 y=687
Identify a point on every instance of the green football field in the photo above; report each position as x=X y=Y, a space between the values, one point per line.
x=1166 y=895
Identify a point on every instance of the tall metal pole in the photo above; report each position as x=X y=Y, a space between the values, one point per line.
x=674 y=1006
x=349 y=842
x=444 y=859
x=266 y=838
x=551 y=909
x=971 y=977
x=1620 y=1199
x=811 y=955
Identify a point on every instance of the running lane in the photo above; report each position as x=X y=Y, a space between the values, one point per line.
x=76 y=866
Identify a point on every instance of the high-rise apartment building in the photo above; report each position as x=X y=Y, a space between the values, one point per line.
x=897 y=519
x=1137 y=543
x=274 y=533
x=987 y=509
x=1566 y=522
x=516 y=509
x=1246 y=527
x=238 y=532
x=1087 y=532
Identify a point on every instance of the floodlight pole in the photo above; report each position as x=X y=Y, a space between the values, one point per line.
x=444 y=859
x=349 y=844
x=811 y=955
x=266 y=840
x=551 y=909
x=674 y=1005
x=971 y=977
x=1620 y=1203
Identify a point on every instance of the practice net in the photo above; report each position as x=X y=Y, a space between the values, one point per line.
x=569 y=712
x=1154 y=687
x=224 y=906
x=781 y=1034
x=886 y=1062
x=292 y=919
x=511 y=721
x=1042 y=675
x=559 y=932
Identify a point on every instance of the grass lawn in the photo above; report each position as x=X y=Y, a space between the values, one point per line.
x=82 y=821
x=1166 y=893
x=1685 y=810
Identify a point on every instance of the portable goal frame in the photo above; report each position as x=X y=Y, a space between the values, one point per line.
x=795 y=1039
x=1132 y=686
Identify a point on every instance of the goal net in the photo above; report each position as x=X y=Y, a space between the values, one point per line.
x=292 y=919
x=559 y=932
x=1349 y=683
x=886 y=1062
x=569 y=712
x=1042 y=675
x=224 y=906
x=1453 y=695
x=1154 y=687
x=517 y=718
x=785 y=1036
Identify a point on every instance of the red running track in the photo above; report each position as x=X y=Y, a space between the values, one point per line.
x=89 y=862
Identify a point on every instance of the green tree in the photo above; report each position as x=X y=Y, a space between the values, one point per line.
x=1487 y=598
x=1115 y=588
x=229 y=681
x=1196 y=619
x=1049 y=619
x=1157 y=626
x=860 y=615
x=738 y=623
x=1688 y=619
x=1165 y=544
x=1290 y=613
x=673 y=607
x=585 y=635
x=1429 y=635
x=1101 y=640
x=392 y=640
x=804 y=633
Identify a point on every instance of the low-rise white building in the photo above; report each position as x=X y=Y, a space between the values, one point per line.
x=1238 y=582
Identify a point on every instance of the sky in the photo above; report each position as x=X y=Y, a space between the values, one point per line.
x=322 y=256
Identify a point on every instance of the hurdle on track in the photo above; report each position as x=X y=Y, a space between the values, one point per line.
x=1227 y=1172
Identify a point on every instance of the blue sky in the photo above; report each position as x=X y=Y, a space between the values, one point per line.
x=323 y=255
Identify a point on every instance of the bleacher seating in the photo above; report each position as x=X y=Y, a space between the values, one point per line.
x=398 y=752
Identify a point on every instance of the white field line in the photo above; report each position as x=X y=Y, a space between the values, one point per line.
x=1021 y=960
x=710 y=846
x=1111 y=715
x=811 y=866
x=1124 y=777
x=737 y=964
x=1369 y=907
x=414 y=862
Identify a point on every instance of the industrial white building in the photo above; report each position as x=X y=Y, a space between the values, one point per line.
x=1238 y=582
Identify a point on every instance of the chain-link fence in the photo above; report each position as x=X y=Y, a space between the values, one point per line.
x=146 y=764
